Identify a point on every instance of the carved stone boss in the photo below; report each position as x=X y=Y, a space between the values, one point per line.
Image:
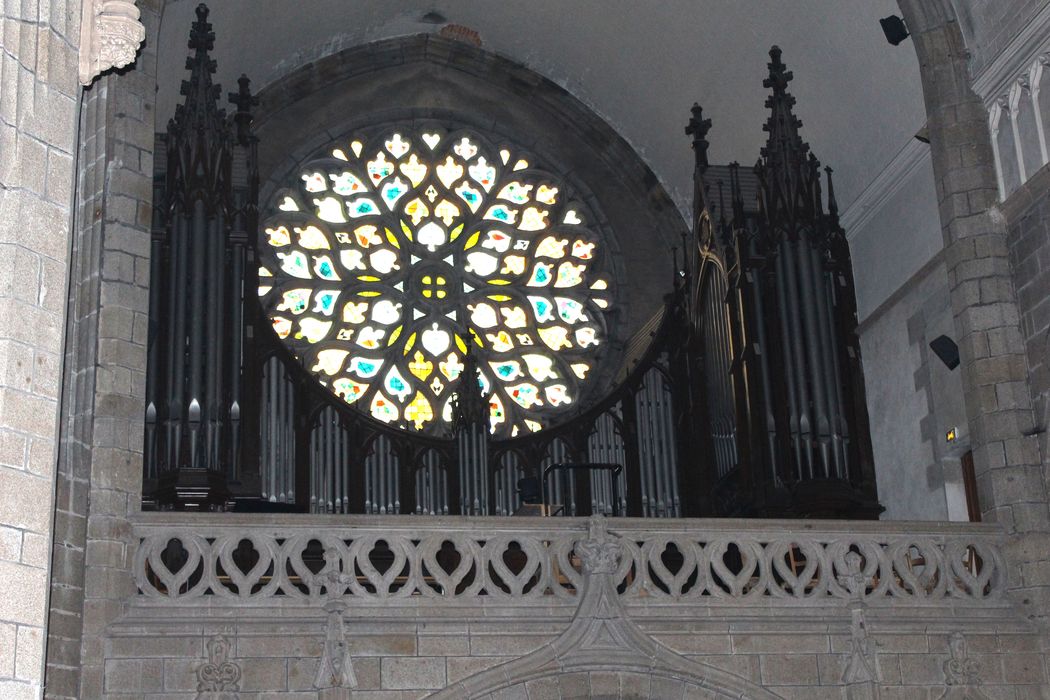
x=110 y=36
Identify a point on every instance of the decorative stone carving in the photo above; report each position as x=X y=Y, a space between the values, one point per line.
x=218 y=678
x=335 y=669
x=861 y=673
x=962 y=674
x=110 y=36
x=602 y=636
x=599 y=554
x=869 y=566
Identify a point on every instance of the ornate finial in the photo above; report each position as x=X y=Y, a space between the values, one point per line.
x=784 y=145
x=698 y=128
x=200 y=108
x=243 y=100
x=202 y=38
x=779 y=75
x=833 y=205
x=599 y=553
x=218 y=677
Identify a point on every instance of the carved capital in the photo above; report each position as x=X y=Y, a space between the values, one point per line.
x=110 y=36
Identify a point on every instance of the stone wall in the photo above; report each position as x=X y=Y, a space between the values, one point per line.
x=99 y=478
x=38 y=105
x=596 y=608
x=1027 y=212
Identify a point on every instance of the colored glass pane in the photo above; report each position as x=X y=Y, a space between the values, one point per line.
x=390 y=256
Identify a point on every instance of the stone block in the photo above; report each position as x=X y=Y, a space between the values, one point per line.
x=546 y=689
x=181 y=674
x=669 y=688
x=574 y=685
x=789 y=669
x=8 y=634
x=29 y=659
x=10 y=544
x=516 y=692
x=779 y=643
x=155 y=647
x=17 y=690
x=134 y=675
x=922 y=669
x=1022 y=668
x=458 y=668
x=410 y=673
x=605 y=683
x=697 y=643
x=505 y=644
x=28 y=607
x=443 y=645
x=635 y=684
x=263 y=674
x=35 y=550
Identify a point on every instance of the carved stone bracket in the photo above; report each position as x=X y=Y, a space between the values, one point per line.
x=110 y=36
x=218 y=678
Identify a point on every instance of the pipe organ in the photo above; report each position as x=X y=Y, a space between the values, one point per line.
x=743 y=395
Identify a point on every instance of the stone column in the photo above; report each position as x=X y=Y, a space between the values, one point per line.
x=1007 y=458
x=99 y=479
x=38 y=103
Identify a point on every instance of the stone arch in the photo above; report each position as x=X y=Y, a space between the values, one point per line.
x=603 y=645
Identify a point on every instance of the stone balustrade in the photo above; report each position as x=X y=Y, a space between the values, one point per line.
x=298 y=561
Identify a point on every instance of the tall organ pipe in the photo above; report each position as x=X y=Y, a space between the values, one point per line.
x=814 y=346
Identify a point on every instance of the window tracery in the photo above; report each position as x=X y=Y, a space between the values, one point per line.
x=393 y=256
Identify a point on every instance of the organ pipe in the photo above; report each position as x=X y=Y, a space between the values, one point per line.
x=796 y=320
x=206 y=211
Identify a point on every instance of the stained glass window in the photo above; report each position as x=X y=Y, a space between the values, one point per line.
x=389 y=257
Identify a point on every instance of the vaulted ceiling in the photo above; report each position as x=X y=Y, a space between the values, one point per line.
x=640 y=65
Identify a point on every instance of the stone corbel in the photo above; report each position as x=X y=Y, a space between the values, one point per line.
x=110 y=36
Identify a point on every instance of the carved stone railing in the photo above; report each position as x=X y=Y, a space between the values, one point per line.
x=288 y=560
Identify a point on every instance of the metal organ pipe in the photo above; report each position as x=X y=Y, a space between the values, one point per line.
x=814 y=348
x=823 y=290
x=755 y=279
x=796 y=372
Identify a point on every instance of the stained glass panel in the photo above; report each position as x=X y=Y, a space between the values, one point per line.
x=390 y=256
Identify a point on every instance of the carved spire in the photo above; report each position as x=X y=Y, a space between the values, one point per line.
x=200 y=109
x=784 y=147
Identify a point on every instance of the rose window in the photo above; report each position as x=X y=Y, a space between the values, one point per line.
x=390 y=258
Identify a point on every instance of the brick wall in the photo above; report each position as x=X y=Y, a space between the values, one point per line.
x=38 y=100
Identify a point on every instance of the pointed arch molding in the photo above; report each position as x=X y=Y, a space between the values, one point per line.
x=602 y=637
x=110 y=36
